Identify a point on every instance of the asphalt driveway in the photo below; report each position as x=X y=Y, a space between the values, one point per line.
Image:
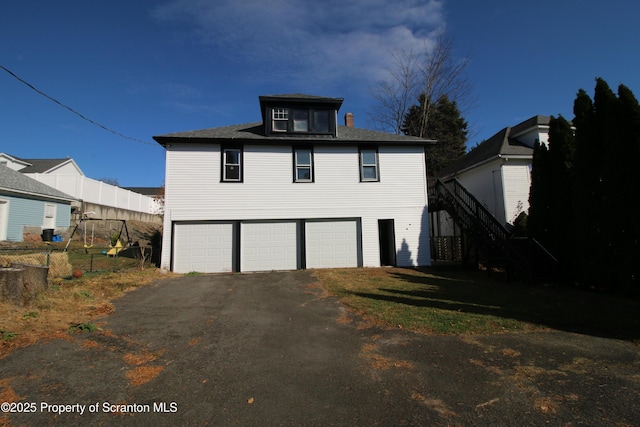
x=272 y=349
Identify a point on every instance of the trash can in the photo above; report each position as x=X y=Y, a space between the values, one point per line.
x=47 y=235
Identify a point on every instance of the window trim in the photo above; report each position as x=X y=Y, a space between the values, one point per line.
x=296 y=166
x=223 y=163
x=279 y=115
x=362 y=165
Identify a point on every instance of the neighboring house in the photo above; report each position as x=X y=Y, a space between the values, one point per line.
x=498 y=171
x=294 y=191
x=66 y=176
x=25 y=202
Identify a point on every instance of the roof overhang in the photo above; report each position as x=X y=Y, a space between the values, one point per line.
x=10 y=191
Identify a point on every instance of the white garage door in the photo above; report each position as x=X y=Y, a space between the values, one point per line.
x=206 y=248
x=269 y=246
x=331 y=244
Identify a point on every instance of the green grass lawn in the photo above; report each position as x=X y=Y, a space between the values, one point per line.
x=456 y=301
x=95 y=258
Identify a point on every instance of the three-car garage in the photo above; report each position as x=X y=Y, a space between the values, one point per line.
x=226 y=246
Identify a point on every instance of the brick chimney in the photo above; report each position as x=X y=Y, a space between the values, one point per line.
x=348 y=120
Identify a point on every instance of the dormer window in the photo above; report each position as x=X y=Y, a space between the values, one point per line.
x=280 y=119
x=300 y=120
x=298 y=115
x=321 y=121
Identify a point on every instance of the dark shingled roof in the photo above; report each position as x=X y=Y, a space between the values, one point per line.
x=145 y=191
x=41 y=165
x=254 y=133
x=501 y=144
x=15 y=182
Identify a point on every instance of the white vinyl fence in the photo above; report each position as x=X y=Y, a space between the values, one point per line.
x=98 y=192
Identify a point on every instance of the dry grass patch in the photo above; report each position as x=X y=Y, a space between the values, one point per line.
x=137 y=359
x=68 y=305
x=143 y=374
x=380 y=362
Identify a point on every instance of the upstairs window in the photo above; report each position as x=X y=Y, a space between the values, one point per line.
x=321 y=121
x=303 y=165
x=232 y=165
x=369 y=165
x=301 y=120
x=280 y=120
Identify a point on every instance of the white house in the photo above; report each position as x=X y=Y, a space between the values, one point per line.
x=294 y=191
x=498 y=171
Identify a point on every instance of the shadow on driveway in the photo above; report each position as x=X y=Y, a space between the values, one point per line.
x=274 y=349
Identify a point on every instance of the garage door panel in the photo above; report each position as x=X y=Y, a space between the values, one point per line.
x=331 y=244
x=269 y=246
x=203 y=247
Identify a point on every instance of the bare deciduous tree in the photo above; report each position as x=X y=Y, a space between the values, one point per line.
x=395 y=95
x=432 y=71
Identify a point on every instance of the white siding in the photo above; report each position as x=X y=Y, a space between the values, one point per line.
x=539 y=133
x=193 y=191
x=517 y=182
x=485 y=183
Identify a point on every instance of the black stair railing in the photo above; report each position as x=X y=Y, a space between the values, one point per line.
x=496 y=230
x=477 y=222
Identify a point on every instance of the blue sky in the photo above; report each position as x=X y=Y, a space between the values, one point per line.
x=150 y=67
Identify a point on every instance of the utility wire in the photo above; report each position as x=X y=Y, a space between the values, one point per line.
x=72 y=110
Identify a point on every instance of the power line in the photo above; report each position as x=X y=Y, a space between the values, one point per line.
x=21 y=80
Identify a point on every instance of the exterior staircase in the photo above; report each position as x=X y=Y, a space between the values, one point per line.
x=494 y=244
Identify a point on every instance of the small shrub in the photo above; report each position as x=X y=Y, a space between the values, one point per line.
x=7 y=335
x=114 y=239
x=82 y=327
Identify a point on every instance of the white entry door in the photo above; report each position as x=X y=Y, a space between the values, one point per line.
x=331 y=244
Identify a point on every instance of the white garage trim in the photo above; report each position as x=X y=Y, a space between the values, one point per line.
x=333 y=243
x=206 y=247
x=267 y=246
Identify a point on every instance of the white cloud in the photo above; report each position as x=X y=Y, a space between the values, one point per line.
x=329 y=41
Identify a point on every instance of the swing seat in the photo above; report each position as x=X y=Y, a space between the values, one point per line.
x=115 y=249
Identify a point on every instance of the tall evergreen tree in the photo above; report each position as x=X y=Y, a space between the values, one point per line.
x=621 y=184
x=599 y=166
x=445 y=124
x=539 y=214
x=550 y=188
x=555 y=186
x=585 y=184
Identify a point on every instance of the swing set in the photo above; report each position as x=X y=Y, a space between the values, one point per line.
x=115 y=247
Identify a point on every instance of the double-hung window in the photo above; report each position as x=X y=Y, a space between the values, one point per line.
x=303 y=164
x=280 y=119
x=232 y=164
x=369 y=164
